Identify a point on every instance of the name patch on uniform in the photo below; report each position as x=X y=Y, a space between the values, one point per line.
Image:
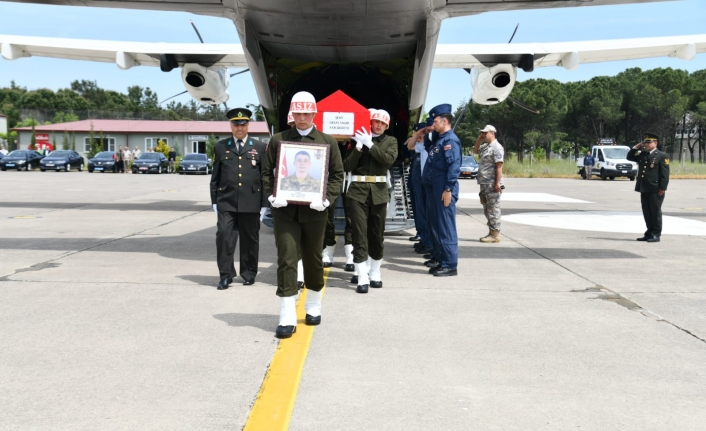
x=447 y=147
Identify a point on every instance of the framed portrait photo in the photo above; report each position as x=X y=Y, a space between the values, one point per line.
x=302 y=172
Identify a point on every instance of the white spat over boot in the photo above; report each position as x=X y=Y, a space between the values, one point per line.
x=287 y=317
x=300 y=274
x=348 y=248
x=313 y=308
x=363 y=280
x=375 y=275
x=327 y=256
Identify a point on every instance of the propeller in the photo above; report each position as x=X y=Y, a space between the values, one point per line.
x=186 y=91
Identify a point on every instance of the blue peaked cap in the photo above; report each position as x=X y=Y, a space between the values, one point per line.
x=444 y=108
x=419 y=126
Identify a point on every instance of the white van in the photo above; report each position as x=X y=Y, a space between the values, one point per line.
x=611 y=162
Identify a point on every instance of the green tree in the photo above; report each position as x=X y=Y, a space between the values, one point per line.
x=92 y=144
x=211 y=146
x=65 y=145
x=73 y=141
x=162 y=147
x=33 y=139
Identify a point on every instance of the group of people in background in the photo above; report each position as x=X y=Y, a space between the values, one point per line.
x=124 y=157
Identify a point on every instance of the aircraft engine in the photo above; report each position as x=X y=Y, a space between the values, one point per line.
x=206 y=84
x=493 y=85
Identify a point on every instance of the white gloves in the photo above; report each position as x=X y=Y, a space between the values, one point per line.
x=263 y=210
x=277 y=202
x=319 y=206
x=215 y=209
x=359 y=145
x=363 y=137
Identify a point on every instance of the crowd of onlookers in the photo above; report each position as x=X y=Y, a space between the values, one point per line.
x=124 y=158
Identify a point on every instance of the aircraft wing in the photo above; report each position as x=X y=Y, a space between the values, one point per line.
x=568 y=54
x=124 y=54
x=565 y=54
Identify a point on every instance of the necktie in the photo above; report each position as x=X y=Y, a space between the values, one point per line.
x=240 y=144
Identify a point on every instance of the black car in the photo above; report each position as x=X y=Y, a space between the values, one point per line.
x=469 y=167
x=21 y=159
x=103 y=162
x=150 y=163
x=61 y=160
x=195 y=164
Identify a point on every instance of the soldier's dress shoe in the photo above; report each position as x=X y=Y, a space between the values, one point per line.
x=428 y=256
x=328 y=264
x=644 y=238
x=425 y=250
x=433 y=270
x=654 y=238
x=354 y=279
x=223 y=284
x=445 y=272
x=248 y=281
x=311 y=320
x=285 y=331
x=362 y=288
x=349 y=267
x=431 y=263
x=300 y=284
x=415 y=238
x=376 y=284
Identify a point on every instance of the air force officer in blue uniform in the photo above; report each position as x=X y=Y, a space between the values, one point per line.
x=444 y=163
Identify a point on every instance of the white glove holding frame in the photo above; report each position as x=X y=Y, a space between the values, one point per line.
x=277 y=202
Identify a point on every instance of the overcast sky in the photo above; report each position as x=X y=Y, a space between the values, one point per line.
x=447 y=85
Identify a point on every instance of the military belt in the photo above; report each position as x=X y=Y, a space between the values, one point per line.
x=368 y=179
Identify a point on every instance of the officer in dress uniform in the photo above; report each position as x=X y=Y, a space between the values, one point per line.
x=238 y=199
x=367 y=196
x=652 y=182
x=299 y=229
x=416 y=143
x=444 y=164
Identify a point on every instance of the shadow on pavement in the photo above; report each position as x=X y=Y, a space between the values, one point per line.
x=164 y=205
x=266 y=322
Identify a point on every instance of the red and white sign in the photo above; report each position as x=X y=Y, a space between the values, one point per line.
x=43 y=142
x=302 y=107
x=341 y=116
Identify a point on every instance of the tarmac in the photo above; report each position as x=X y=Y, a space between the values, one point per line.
x=110 y=318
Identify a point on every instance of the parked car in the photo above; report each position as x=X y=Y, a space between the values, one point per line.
x=21 y=159
x=61 y=160
x=195 y=164
x=150 y=163
x=103 y=162
x=469 y=167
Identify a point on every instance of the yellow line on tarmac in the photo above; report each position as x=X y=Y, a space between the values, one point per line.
x=274 y=403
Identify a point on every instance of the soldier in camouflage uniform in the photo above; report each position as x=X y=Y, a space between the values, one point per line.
x=301 y=181
x=490 y=179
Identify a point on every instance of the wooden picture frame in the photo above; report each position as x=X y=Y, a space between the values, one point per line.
x=299 y=181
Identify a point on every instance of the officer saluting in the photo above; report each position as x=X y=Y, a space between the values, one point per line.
x=238 y=199
x=444 y=163
x=300 y=228
x=652 y=181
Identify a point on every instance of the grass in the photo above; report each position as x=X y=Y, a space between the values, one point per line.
x=567 y=169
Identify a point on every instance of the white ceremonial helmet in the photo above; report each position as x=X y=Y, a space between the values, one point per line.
x=302 y=103
x=290 y=118
x=380 y=115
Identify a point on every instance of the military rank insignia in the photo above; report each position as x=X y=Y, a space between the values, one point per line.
x=666 y=161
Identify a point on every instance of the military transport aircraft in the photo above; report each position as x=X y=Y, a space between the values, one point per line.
x=379 y=52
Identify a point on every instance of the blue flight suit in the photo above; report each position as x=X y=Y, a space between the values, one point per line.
x=445 y=167
x=427 y=191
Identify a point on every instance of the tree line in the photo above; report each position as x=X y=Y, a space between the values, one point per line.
x=86 y=100
x=575 y=115
x=572 y=116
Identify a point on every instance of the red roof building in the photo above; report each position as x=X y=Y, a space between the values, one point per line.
x=186 y=136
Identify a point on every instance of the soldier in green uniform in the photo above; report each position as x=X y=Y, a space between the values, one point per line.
x=238 y=199
x=299 y=228
x=652 y=181
x=368 y=195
